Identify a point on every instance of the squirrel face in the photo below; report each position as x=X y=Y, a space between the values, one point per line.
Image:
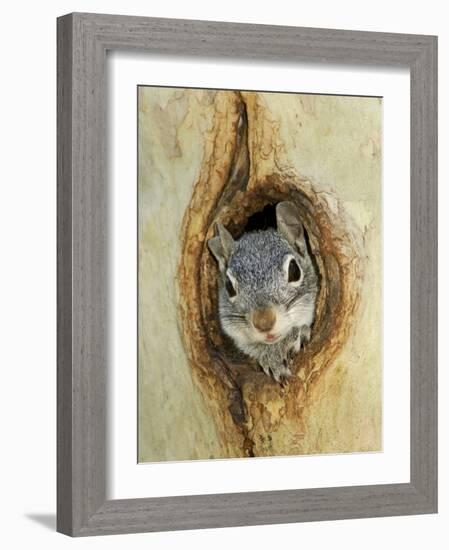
x=268 y=282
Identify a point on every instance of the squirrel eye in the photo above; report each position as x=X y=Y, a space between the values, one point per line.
x=294 y=271
x=230 y=287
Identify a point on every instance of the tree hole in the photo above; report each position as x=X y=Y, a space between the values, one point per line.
x=262 y=220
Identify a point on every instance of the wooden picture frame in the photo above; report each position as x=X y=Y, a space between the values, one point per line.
x=83 y=40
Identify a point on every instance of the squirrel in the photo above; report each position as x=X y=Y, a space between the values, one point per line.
x=267 y=290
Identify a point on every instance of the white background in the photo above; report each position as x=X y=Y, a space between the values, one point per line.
x=129 y=479
x=27 y=299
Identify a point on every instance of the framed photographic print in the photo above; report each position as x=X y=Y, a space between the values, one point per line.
x=247 y=282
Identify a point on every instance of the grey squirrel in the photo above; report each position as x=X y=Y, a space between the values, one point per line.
x=267 y=290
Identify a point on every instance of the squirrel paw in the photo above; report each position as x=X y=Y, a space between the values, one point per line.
x=266 y=369
x=281 y=373
x=303 y=337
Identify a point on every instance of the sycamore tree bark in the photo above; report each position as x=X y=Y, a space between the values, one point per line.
x=245 y=152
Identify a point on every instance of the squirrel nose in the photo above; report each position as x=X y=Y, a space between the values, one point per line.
x=264 y=319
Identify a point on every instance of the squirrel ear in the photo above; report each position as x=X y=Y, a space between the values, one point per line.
x=289 y=225
x=222 y=246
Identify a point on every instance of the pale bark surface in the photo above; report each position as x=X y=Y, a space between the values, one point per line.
x=221 y=156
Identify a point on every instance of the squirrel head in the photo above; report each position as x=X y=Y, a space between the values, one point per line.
x=267 y=280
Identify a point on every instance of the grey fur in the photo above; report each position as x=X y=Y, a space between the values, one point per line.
x=255 y=267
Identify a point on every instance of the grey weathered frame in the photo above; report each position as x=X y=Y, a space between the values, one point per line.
x=83 y=40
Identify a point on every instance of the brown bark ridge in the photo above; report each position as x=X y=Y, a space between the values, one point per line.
x=245 y=169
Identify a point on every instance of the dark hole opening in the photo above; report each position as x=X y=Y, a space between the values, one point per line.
x=264 y=219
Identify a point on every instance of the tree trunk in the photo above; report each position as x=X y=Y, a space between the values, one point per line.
x=254 y=150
